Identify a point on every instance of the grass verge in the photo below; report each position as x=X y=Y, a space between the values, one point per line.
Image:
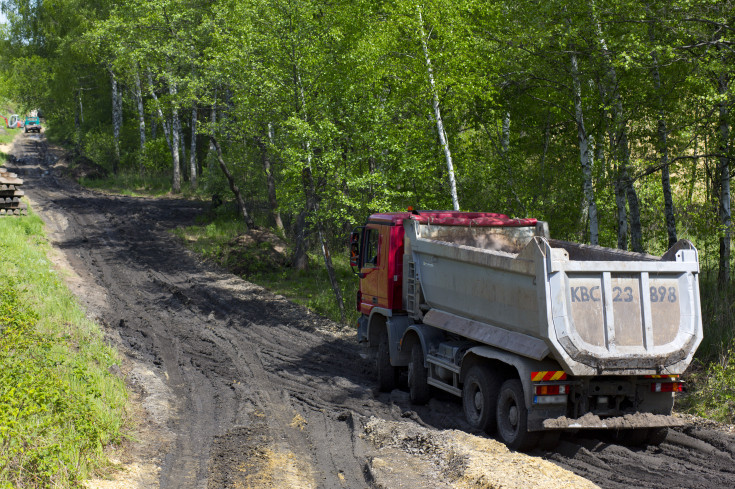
x=59 y=404
x=8 y=135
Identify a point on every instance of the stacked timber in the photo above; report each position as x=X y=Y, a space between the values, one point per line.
x=10 y=194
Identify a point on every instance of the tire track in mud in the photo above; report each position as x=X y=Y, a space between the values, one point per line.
x=268 y=394
x=230 y=407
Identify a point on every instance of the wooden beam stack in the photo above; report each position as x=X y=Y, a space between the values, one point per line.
x=10 y=194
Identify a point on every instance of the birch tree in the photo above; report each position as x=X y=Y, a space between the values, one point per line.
x=585 y=153
x=437 y=111
x=116 y=119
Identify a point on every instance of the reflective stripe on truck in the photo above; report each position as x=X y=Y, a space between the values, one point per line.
x=552 y=375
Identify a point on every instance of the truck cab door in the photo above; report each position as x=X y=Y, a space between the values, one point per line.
x=373 y=284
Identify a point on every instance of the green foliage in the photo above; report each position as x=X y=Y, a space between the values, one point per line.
x=711 y=392
x=59 y=405
x=100 y=148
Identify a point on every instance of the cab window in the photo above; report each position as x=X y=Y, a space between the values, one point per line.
x=372 y=241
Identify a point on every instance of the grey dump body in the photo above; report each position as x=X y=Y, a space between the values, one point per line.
x=596 y=311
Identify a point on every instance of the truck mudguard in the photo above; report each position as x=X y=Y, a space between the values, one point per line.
x=428 y=336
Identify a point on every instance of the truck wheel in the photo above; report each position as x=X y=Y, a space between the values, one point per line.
x=418 y=388
x=387 y=373
x=512 y=417
x=479 y=398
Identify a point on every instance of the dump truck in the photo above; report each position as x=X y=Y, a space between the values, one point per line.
x=535 y=335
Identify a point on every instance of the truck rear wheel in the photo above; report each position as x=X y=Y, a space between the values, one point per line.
x=479 y=398
x=418 y=388
x=512 y=417
x=387 y=373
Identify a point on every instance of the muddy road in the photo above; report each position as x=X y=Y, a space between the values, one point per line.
x=241 y=388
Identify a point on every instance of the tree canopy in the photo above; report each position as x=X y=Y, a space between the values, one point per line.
x=611 y=119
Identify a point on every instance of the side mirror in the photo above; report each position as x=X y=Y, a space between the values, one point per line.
x=355 y=238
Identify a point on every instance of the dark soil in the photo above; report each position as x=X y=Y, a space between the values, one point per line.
x=267 y=394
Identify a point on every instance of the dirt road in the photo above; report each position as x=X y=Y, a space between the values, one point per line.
x=241 y=388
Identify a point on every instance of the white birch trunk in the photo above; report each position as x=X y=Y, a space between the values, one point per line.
x=161 y=117
x=81 y=105
x=116 y=120
x=182 y=140
x=438 y=115
x=141 y=111
x=193 y=176
x=271 y=181
x=213 y=124
x=504 y=148
x=585 y=157
x=176 y=181
x=664 y=152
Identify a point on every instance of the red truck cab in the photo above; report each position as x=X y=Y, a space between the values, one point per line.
x=378 y=256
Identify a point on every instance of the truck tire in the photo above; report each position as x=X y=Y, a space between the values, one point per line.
x=418 y=388
x=512 y=417
x=479 y=398
x=387 y=373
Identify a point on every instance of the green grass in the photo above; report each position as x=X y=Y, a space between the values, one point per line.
x=59 y=404
x=8 y=135
x=134 y=185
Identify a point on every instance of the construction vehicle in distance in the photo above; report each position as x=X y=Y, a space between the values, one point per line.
x=32 y=124
x=536 y=335
x=13 y=121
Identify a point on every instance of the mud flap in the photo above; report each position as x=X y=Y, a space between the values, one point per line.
x=362 y=330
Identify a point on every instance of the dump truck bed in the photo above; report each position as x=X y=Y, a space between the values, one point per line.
x=595 y=310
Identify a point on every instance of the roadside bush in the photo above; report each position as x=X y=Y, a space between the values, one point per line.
x=156 y=157
x=99 y=146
